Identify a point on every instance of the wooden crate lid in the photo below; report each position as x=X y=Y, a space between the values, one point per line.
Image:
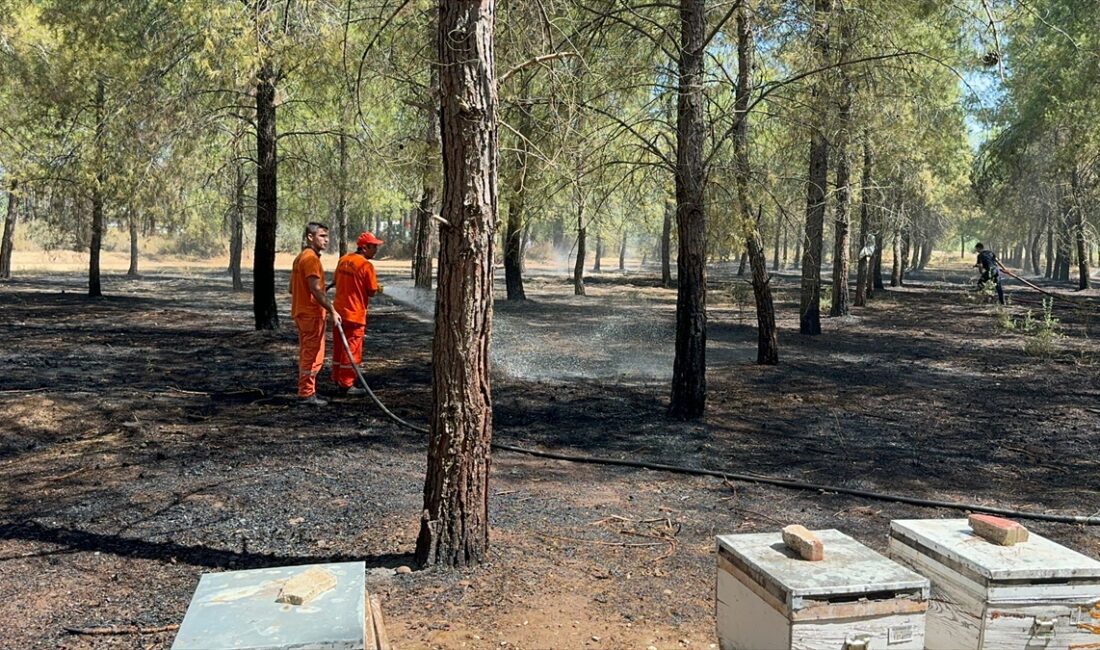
x=953 y=543
x=850 y=569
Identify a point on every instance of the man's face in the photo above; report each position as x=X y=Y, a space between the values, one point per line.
x=318 y=241
x=370 y=250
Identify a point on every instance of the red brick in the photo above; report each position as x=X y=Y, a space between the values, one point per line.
x=806 y=544
x=998 y=530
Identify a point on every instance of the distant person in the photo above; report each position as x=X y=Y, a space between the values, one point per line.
x=991 y=270
x=355 y=283
x=309 y=308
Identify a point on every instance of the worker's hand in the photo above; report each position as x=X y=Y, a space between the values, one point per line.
x=381 y=289
x=335 y=318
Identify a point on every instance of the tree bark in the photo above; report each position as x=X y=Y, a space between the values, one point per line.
x=895 y=274
x=1062 y=241
x=513 y=232
x=342 y=194
x=236 y=225
x=863 y=271
x=767 y=342
x=1049 y=271
x=422 y=257
x=267 y=202
x=599 y=252
x=7 y=243
x=842 y=223
x=1083 y=270
x=666 y=245
x=94 y=287
x=454 y=529
x=133 y=270
x=622 y=251
x=578 y=267
x=689 y=368
x=775 y=243
x=810 y=308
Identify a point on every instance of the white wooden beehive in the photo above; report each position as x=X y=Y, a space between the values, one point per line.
x=1035 y=594
x=768 y=598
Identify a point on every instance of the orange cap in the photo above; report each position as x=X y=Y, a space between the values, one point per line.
x=366 y=239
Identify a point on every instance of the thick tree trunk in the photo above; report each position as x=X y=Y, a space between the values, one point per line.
x=666 y=245
x=94 y=287
x=810 y=309
x=422 y=256
x=689 y=368
x=267 y=199
x=454 y=528
x=7 y=242
x=236 y=226
x=863 y=271
x=133 y=270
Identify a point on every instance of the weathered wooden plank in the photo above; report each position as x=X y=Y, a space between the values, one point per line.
x=745 y=619
x=897 y=632
x=382 y=641
x=1051 y=627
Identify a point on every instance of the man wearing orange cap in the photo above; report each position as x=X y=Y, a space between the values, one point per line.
x=309 y=306
x=355 y=283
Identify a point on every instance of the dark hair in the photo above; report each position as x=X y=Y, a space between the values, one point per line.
x=978 y=246
x=311 y=229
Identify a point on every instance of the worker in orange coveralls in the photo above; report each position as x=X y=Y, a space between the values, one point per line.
x=355 y=283
x=309 y=307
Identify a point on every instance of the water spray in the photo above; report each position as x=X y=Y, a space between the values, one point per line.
x=735 y=476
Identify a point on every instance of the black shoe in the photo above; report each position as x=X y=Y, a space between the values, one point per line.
x=313 y=400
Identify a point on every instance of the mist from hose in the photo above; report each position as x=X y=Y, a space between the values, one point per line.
x=575 y=338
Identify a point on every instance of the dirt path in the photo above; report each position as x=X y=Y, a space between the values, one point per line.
x=152 y=436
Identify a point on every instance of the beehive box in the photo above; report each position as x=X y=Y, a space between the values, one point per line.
x=855 y=599
x=1034 y=594
x=282 y=608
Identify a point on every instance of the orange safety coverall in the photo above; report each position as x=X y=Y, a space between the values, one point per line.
x=309 y=316
x=356 y=282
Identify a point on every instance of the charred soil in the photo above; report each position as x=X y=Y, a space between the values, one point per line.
x=152 y=435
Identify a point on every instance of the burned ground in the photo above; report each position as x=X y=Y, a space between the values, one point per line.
x=151 y=436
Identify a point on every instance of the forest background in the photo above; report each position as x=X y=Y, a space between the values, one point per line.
x=189 y=127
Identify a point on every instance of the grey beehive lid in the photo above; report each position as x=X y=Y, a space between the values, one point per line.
x=850 y=569
x=953 y=543
x=237 y=609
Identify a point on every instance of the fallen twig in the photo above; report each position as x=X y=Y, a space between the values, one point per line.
x=188 y=392
x=121 y=629
x=599 y=542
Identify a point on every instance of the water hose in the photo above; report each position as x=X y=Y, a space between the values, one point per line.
x=734 y=476
x=1071 y=300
